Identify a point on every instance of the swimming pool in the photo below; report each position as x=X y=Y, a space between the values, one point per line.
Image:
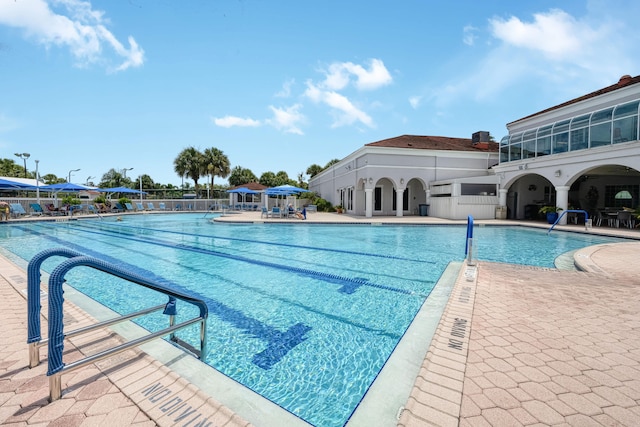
x=305 y=315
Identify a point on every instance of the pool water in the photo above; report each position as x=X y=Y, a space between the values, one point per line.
x=305 y=315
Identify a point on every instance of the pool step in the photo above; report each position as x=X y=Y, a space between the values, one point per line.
x=565 y=261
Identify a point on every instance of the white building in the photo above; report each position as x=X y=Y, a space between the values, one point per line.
x=567 y=154
x=396 y=176
x=559 y=156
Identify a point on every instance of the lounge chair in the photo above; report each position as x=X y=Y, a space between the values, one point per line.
x=264 y=213
x=275 y=211
x=139 y=206
x=162 y=206
x=101 y=207
x=150 y=207
x=36 y=208
x=17 y=209
x=178 y=207
x=117 y=207
x=51 y=209
x=129 y=207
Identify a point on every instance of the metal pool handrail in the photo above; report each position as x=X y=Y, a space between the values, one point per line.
x=586 y=218
x=56 y=328
x=468 y=249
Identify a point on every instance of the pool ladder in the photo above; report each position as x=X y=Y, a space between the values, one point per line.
x=56 y=335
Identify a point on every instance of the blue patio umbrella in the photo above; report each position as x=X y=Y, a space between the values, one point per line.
x=121 y=190
x=64 y=187
x=15 y=185
x=285 y=190
x=244 y=191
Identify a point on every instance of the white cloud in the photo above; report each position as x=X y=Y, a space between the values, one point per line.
x=286 y=89
x=231 y=121
x=556 y=34
x=76 y=26
x=287 y=119
x=415 y=101
x=552 y=51
x=344 y=112
x=469 y=35
x=339 y=75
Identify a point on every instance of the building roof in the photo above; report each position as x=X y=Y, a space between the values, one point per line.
x=434 y=143
x=255 y=186
x=624 y=81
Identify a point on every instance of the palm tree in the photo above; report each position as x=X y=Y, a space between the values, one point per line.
x=268 y=179
x=189 y=163
x=240 y=175
x=314 y=170
x=216 y=163
x=113 y=178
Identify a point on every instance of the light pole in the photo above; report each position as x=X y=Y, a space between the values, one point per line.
x=37 y=183
x=124 y=172
x=72 y=170
x=89 y=178
x=24 y=157
x=140 y=188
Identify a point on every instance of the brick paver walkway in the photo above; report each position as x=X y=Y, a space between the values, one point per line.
x=544 y=347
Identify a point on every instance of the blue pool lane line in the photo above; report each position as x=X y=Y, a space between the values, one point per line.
x=347 y=285
x=288 y=245
x=278 y=343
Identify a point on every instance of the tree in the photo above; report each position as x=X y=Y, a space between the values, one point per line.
x=10 y=168
x=240 y=175
x=268 y=179
x=301 y=182
x=113 y=178
x=282 y=178
x=51 y=179
x=314 y=170
x=216 y=163
x=331 y=163
x=189 y=163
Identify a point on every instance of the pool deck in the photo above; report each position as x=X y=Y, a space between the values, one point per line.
x=516 y=345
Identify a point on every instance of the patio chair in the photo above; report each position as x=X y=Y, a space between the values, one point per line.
x=264 y=213
x=129 y=207
x=36 y=208
x=178 y=207
x=625 y=219
x=51 y=209
x=150 y=206
x=101 y=207
x=162 y=206
x=139 y=206
x=275 y=211
x=17 y=209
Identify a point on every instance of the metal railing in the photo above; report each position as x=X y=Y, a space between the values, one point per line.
x=587 y=221
x=56 y=334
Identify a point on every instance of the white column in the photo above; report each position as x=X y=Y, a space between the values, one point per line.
x=502 y=196
x=562 y=201
x=368 y=202
x=399 y=198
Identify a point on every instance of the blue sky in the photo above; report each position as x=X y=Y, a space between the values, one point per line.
x=280 y=85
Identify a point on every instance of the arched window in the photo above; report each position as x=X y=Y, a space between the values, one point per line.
x=543 y=141
x=560 y=137
x=625 y=122
x=579 y=138
x=529 y=144
x=600 y=130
